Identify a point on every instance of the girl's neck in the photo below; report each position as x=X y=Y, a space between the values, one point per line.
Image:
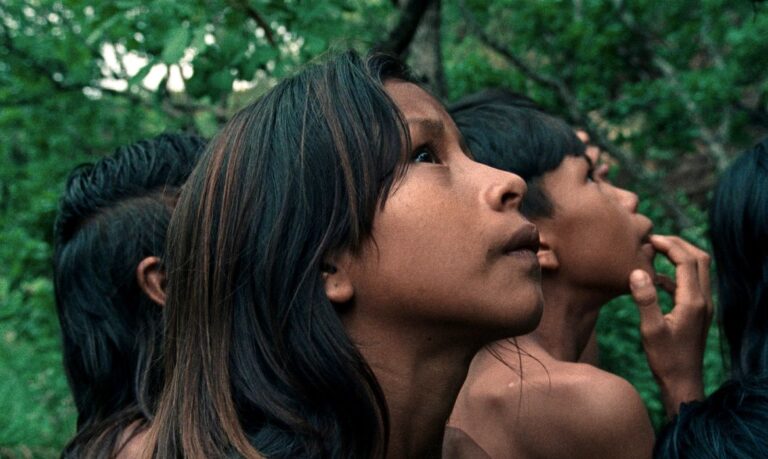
x=421 y=381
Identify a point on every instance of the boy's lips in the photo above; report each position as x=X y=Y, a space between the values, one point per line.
x=646 y=238
x=647 y=248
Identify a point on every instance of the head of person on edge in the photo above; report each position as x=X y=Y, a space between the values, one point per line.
x=730 y=423
x=109 y=239
x=733 y=421
x=334 y=238
x=591 y=234
x=738 y=225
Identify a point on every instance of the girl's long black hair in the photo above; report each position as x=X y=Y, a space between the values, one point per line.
x=730 y=423
x=257 y=358
x=738 y=222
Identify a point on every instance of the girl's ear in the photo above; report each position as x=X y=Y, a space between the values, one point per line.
x=547 y=254
x=338 y=284
x=151 y=279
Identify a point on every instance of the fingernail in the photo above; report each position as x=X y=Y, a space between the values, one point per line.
x=639 y=278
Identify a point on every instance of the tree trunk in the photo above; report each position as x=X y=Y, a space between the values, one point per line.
x=424 y=54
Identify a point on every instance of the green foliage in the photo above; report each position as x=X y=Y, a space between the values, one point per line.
x=670 y=84
x=62 y=107
x=79 y=78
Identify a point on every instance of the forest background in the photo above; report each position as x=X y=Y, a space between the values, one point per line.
x=672 y=91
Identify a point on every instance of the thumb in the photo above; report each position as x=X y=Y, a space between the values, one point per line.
x=644 y=294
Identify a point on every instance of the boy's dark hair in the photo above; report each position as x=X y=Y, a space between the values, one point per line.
x=113 y=214
x=732 y=423
x=511 y=132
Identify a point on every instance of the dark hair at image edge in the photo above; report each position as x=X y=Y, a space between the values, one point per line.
x=730 y=423
x=257 y=358
x=739 y=233
x=113 y=214
x=511 y=132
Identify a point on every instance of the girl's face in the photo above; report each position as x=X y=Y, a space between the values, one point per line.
x=450 y=251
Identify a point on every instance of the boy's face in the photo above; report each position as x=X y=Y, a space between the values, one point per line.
x=596 y=233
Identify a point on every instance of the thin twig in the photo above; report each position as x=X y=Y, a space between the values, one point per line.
x=709 y=136
x=243 y=6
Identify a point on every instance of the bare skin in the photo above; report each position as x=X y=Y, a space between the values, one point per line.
x=131 y=444
x=684 y=329
x=557 y=409
x=419 y=306
x=540 y=403
x=415 y=305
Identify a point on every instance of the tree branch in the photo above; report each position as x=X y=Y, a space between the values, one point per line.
x=710 y=137
x=46 y=68
x=756 y=115
x=630 y=166
x=402 y=34
x=243 y=6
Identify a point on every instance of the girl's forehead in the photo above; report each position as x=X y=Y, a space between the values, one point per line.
x=413 y=101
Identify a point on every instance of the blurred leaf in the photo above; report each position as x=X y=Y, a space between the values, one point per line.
x=175 y=44
x=141 y=74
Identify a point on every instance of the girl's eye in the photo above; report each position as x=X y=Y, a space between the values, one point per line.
x=591 y=174
x=424 y=155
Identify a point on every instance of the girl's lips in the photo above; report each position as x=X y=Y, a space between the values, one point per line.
x=524 y=239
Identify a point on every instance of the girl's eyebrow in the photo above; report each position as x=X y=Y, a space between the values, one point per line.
x=464 y=147
x=432 y=126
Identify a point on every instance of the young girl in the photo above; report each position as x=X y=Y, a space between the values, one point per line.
x=336 y=260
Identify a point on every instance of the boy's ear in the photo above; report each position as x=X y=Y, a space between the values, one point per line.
x=338 y=284
x=547 y=254
x=151 y=279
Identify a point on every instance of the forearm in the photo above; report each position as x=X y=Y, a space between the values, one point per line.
x=675 y=391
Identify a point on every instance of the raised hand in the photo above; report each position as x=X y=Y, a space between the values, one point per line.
x=674 y=342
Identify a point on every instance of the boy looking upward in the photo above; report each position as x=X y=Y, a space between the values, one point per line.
x=537 y=401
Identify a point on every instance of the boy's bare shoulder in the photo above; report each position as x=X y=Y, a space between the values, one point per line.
x=554 y=409
x=590 y=403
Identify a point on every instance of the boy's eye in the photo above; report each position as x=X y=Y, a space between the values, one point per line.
x=602 y=172
x=424 y=155
x=599 y=173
